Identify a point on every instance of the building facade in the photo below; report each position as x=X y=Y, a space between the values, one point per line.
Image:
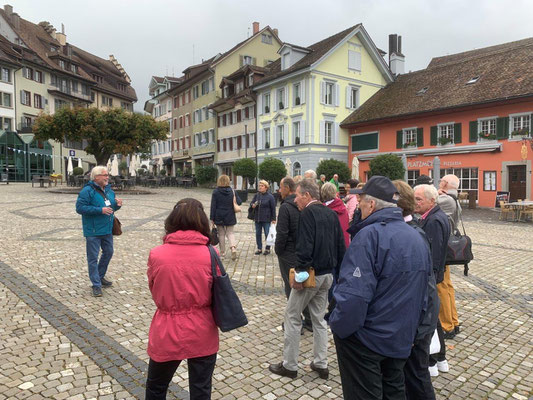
x=309 y=91
x=464 y=109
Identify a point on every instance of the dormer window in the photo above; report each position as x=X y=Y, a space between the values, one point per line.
x=247 y=60
x=121 y=87
x=422 y=91
x=98 y=78
x=53 y=49
x=473 y=80
x=250 y=80
x=239 y=87
x=74 y=68
x=285 y=60
x=225 y=92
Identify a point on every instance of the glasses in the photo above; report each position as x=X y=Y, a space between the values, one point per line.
x=103 y=175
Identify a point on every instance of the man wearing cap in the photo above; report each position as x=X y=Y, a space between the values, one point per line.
x=380 y=296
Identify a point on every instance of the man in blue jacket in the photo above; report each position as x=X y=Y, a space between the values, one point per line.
x=380 y=296
x=97 y=203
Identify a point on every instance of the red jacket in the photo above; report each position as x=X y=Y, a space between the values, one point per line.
x=338 y=206
x=179 y=277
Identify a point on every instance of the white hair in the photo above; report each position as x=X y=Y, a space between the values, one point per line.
x=328 y=191
x=430 y=192
x=380 y=204
x=97 y=171
x=310 y=174
x=452 y=180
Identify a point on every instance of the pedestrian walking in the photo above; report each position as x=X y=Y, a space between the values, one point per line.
x=264 y=206
x=319 y=244
x=328 y=193
x=418 y=384
x=222 y=214
x=183 y=327
x=97 y=204
x=437 y=227
x=379 y=298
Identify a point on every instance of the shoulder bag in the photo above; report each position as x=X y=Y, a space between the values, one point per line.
x=225 y=304
x=214 y=236
x=309 y=282
x=117 y=225
x=459 y=251
x=236 y=207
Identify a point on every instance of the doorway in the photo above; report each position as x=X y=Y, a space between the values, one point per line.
x=517 y=182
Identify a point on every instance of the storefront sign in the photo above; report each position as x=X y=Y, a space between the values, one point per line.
x=419 y=164
x=72 y=153
x=501 y=196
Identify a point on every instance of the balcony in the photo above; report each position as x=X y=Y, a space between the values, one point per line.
x=26 y=125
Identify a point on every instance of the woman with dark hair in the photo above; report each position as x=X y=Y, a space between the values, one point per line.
x=180 y=279
x=223 y=214
x=351 y=199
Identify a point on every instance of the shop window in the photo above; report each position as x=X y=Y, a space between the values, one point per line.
x=412 y=175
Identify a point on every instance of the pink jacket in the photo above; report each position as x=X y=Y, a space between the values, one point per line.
x=179 y=277
x=338 y=206
x=351 y=205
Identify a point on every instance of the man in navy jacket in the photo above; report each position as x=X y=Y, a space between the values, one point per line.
x=380 y=296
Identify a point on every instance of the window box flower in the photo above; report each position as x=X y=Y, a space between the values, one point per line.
x=409 y=144
x=297 y=140
x=281 y=143
x=487 y=135
x=520 y=132
x=445 y=140
x=267 y=145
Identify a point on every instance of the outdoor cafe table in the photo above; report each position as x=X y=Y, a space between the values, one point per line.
x=517 y=206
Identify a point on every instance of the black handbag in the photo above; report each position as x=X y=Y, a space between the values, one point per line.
x=227 y=308
x=214 y=236
x=251 y=213
x=459 y=251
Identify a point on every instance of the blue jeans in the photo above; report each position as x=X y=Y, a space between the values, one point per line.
x=265 y=226
x=98 y=268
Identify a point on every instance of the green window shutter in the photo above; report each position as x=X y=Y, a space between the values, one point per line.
x=457 y=133
x=433 y=136
x=419 y=137
x=502 y=128
x=399 y=139
x=473 y=133
x=365 y=142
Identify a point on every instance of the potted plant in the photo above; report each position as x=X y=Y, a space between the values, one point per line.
x=410 y=144
x=444 y=140
x=520 y=132
x=267 y=109
x=297 y=140
x=77 y=171
x=247 y=168
x=487 y=135
x=297 y=101
x=281 y=143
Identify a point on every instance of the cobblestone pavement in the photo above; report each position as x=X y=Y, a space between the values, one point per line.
x=58 y=342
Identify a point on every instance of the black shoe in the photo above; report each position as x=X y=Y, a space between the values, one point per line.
x=258 y=252
x=308 y=326
x=323 y=373
x=279 y=369
x=456 y=329
x=97 y=291
x=266 y=252
x=449 y=335
x=105 y=282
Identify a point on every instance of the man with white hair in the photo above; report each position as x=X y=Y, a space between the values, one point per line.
x=310 y=174
x=435 y=224
x=447 y=201
x=380 y=296
x=97 y=204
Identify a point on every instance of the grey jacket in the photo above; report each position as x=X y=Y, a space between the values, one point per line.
x=449 y=204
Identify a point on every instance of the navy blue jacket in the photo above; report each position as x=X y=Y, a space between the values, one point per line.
x=222 y=212
x=266 y=208
x=437 y=228
x=90 y=204
x=383 y=283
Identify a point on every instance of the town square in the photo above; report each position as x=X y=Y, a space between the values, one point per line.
x=299 y=200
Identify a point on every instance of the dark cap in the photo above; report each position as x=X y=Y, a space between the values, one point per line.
x=381 y=188
x=423 y=180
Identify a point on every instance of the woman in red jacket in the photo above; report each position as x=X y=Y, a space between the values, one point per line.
x=180 y=279
x=328 y=193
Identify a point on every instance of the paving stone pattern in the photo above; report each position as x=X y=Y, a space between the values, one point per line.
x=58 y=342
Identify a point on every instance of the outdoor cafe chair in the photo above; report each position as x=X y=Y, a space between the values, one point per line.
x=505 y=209
x=525 y=212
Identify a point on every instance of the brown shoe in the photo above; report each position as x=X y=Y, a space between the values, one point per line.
x=323 y=373
x=279 y=369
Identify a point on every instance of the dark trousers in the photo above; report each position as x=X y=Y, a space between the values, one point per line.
x=285 y=264
x=366 y=374
x=200 y=375
x=418 y=384
x=441 y=355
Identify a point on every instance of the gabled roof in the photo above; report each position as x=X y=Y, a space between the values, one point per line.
x=320 y=50
x=7 y=54
x=504 y=73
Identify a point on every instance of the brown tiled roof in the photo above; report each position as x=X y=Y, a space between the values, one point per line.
x=158 y=79
x=317 y=50
x=504 y=72
x=7 y=54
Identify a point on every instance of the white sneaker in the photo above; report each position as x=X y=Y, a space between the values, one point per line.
x=433 y=371
x=443 y=366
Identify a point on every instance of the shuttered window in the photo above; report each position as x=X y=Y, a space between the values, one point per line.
x=366 y=141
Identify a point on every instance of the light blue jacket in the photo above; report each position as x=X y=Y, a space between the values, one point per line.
x=90 y=204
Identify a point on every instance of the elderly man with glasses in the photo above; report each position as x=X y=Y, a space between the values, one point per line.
x=97 y=204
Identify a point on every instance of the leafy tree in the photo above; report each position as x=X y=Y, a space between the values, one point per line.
x=77 y=171
x=106 y=132
x=331 y=167
x=205 y=174
x=123 y=167
x=387 y=165
x=272 y=170
x=245 y=167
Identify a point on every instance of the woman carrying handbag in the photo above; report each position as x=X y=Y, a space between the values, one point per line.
x=224 y=205
x=181 y=282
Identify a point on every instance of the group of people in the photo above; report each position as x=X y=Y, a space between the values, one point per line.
x=376 y=260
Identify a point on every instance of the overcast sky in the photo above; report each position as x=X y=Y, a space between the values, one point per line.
x=156 y=37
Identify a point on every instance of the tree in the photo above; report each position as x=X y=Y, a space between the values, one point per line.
x=387 y=165
x=205 y=174
x=331 y=167
x=272 y=170
x=106 y=132
x=247 y=168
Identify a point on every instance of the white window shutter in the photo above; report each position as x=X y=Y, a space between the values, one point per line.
x=302 y=131
x=348 y=96
x=357 y=98
x=260 y=104
x=286 y=100
x=336 y=135
x=260 y=139
x=275 y=107
x=322 y=132
x=302 y=91
x=336 y=94
x=286 y=133
x=322 y=92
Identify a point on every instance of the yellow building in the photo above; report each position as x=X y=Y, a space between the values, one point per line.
x=309 y=91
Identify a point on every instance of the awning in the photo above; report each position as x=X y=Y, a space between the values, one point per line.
x=200 y=156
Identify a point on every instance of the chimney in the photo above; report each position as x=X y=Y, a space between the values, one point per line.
x=8 y=9
x=255 y=27
x=396 y=58
x=61 y=38
x=15 y=20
